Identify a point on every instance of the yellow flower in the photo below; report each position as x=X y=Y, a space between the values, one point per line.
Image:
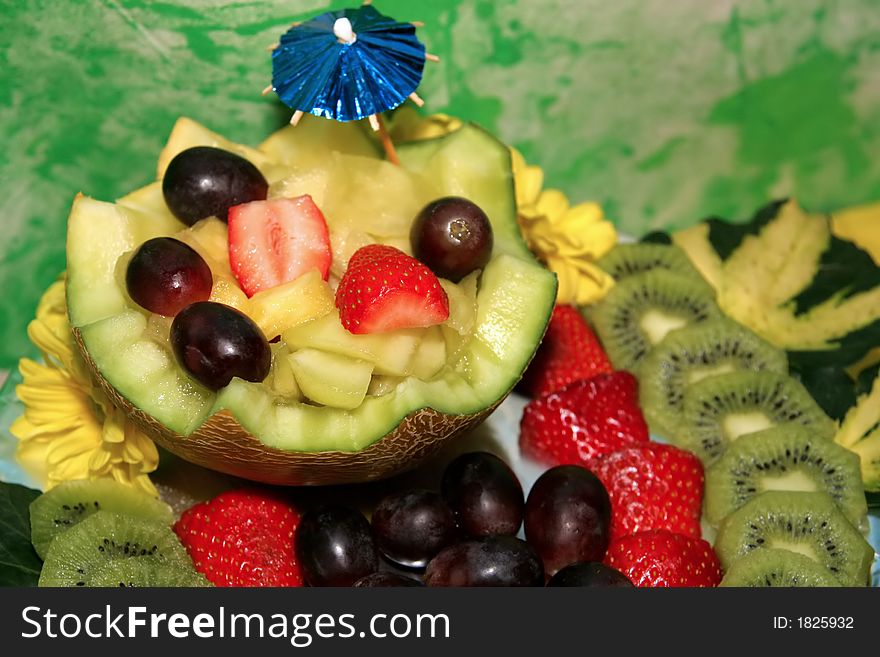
x=69 y=429
x=569 y=239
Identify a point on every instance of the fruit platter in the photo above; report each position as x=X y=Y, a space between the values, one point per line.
x=373 y=349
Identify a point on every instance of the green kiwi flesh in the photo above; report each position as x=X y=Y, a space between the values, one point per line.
x=70 y=502
x=106 y=536
x=136 y=573
x=691 y=354
x=785 y=457
x=724 y=407
x=626 y=260
x=777 y=568
x=806 y=523
x=640 y=310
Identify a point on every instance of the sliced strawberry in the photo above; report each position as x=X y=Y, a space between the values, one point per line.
x=652 y=486
x=664 y=559
x=242 y=538
x=276 y=241
x=570 y=351
x=383 y=289
x=583 y=420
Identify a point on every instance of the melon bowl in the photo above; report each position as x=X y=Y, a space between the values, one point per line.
x=252 y=431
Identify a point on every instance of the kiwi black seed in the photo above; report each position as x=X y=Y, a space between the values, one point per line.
x=777 y=568
x=626 y=260
x=104 y=537
x=807 y=523
x=70 y=502
x=691 y=354
x=724 y=407
x=785 y=457
x=139 y=573
x=641 y=309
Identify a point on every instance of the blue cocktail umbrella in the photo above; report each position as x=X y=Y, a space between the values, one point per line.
x=348 y=65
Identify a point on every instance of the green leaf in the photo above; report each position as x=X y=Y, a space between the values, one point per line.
x=843 y=268
x=831 y=387
x=19 y=564
x=726 y=236
x=656 y=237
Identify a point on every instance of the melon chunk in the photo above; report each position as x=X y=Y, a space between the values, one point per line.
x=391 y=353
x=331 y=379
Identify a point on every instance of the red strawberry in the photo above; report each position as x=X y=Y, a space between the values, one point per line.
x=569 y=352
x=661 y=558
x=652 y=486
x=242 y=538
x=276 y=241
x=384 y=289
x=584 y=420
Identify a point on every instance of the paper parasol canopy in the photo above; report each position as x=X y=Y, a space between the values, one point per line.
x=348 y=65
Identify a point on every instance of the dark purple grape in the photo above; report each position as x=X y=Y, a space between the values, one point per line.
x=204 y=181
x=335 y=547
x=589 y=574
x=165 y=275
x=484 y=494
x=486 y=561
x=411 y=527
x=567 y=517
x=386 y=579
x=452 y=236
x=214 y=343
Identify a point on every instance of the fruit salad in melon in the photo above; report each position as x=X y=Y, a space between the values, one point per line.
x=263 y=343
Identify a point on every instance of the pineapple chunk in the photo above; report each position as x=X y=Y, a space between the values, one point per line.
x=331 y=379
x=286 y=306
x=226 y=290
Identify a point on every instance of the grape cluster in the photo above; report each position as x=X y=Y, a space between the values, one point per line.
x=467 y=534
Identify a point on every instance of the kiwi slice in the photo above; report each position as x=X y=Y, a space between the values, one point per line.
x=785 y=457
x=128 y=573
x=807 y=523
x=724 y=407
x=691 y=354
x=70 y=502
x=626 y=260
x=639 y=311
x=777 y=568
x=106 y=536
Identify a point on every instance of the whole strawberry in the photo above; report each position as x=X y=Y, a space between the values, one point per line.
x=570 y=351
x=665 y=559
x=584 y=420
x=242 y=538
x=384 y=289
x=652 y=486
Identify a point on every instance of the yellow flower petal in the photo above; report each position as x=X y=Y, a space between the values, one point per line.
x=69 y=428
x=552 y=203
x=580 y=281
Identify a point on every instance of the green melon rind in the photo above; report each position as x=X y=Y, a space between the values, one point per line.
x=479 y=379
x=504 y=341
x=450 y=161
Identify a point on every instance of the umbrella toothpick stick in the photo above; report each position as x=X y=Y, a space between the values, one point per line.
x=377 y=123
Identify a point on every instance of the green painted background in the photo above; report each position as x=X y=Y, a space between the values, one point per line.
x=664 y=110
